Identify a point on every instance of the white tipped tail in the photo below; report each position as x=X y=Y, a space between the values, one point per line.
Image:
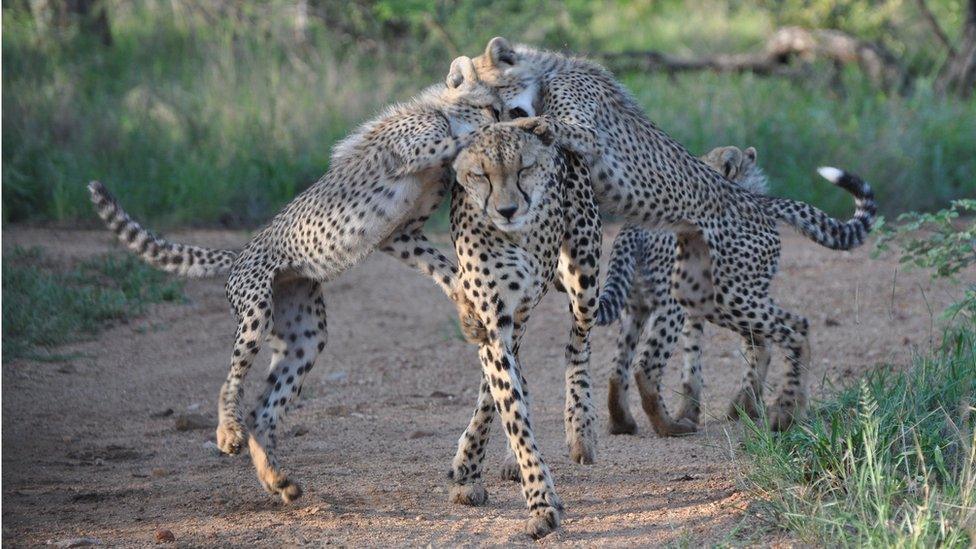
x=831 y=174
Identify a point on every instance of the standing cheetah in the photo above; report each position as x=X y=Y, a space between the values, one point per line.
x=645 y=259
x=727 y=242
x=523 y=214
x=383 y=182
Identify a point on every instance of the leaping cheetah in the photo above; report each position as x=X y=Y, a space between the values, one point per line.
x=383 y=182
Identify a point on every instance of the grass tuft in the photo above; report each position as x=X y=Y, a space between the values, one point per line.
x=887 y=462
x=46 y=305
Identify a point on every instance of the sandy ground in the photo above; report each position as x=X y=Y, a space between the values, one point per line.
x=87 y=453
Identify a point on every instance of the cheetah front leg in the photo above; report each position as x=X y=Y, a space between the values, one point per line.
x=749 y=399
x=510 y=468
x=632 y=321
x=502 y=390
x=579 y=271
x=429 y=151
x=410 y=245
x=691 y=377
x=502 y=370
x=660 y=336
x=467 y=486
x=297 y=338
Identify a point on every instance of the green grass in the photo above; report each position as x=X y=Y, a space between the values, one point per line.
x=210 y=117
x=886 y=462
x=46 y=305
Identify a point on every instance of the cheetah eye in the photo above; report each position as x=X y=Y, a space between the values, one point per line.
x=518 y=112
x=495 y=114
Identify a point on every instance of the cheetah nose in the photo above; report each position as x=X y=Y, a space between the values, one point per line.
x=508 y=211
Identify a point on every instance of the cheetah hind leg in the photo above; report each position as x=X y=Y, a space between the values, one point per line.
x=791 y=403
x=297 y=338
x=250 y=295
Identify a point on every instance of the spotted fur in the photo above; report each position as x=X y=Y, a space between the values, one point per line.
x=522 y=216
x=383 y=182
x=727 y=248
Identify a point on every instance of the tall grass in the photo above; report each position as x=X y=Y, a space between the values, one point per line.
x=887 y=462
x=197 y=116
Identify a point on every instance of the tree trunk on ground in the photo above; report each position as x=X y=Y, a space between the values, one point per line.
x=781 y=49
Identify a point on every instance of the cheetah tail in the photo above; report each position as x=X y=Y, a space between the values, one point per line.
x=820 y=227
x=179 y=259
x=629 y=246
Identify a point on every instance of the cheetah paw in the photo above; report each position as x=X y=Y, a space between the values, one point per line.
x=468 y=494
x=543 y=523
x=674 y=427
x=230 y=437
x=472 y=328
x=745 y=404
x=289 y=491
x=582 y=450
x=622 y=426
x=691 y=412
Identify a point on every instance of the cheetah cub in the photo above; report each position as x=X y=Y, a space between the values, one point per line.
x=639 y=280
x=383 y=182
x=523 y=215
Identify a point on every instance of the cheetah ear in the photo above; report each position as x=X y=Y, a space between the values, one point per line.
x=462 y=70
x=731 y=158
x=500 y=52
x=751 y=154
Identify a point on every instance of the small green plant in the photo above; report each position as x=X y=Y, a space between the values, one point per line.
x=45 y=304
x=939 y=241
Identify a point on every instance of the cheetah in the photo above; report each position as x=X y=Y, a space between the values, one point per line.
x=522 y=216
x=727 y=241
x=384 y=180
x=644 y=259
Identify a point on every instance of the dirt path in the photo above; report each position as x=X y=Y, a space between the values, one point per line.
x=84 y=454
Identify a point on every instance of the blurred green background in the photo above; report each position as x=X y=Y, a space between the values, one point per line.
x=218 y=112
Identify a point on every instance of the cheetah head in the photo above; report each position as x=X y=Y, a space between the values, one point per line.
x=505 y=171
x=738 y=166
x=468 y=102
x=512 y=72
